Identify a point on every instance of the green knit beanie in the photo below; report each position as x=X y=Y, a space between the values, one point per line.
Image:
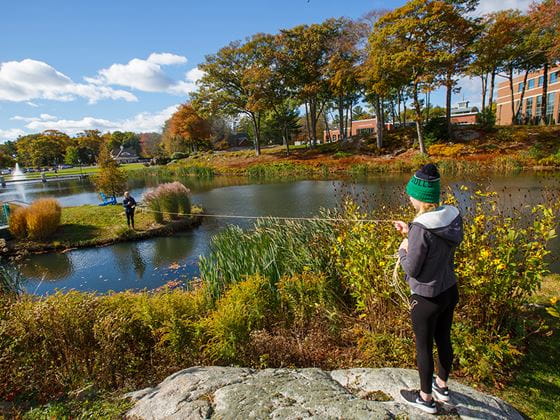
x=425 y=184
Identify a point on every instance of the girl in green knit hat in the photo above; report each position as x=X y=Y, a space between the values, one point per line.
x=426 y=256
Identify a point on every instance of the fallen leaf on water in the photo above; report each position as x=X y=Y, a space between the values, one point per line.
x=174 y=266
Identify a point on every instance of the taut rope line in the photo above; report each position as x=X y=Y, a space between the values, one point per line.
x=307 y=219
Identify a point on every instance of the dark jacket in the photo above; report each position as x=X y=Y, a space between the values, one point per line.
x=432 y=240
x=129 y=204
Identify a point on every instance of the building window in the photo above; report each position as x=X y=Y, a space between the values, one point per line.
x=539 y=106
x=554 y=77
x=529 y=108
x=521 y=86
x=531 y=84
x=541 y=81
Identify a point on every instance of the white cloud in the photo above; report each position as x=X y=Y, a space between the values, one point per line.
x=11 y=134
x=142 y=122
x=22 y=81
x=147 y=75
x=42 y=117
x=31 y=104
x=194 y=75
x=166 y=59
x=487 y=6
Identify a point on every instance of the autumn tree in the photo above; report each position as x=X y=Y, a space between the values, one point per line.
x=228 y=87
x=544 y=39
x=6 y=161
x=111 y=180
x=149 y=144
x=303 y=54
x=44 y=149
x=403 y=51
x=342 y=70
x=71 y=156
x=186 y=130
x=453 y=34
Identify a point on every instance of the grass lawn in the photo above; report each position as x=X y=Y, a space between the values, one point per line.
x=535 y=390
x=77 y=171
x=92 y=225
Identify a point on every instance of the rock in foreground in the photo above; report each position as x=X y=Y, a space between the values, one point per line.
x=241 y=393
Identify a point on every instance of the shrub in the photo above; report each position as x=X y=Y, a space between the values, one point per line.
x=171 y=199
x=245 y=307
x=447 y=150
x=42 y=218
x=486 y=118
x=67 y=340
x=36 y=222
x=18 y=222
x=306 y=296
x=435 y=130
x=179 y=155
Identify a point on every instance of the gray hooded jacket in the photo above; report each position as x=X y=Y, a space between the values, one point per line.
x=432 y=240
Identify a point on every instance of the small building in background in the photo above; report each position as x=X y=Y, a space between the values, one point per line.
x=125 y=155
x=531 y=108
x=463 y=114
x=359 y=128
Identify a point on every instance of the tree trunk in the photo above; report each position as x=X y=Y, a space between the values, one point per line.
x=257 y=128
x=378 y=122
x=341 y=132
x=520 y=107
x=544 y=102
x=307 y=123
x=313 y=117
x=399 y=107
x=327 y=127
x=512 y=96
x=448 y=94
x=492 y=87
x=418 y=110
x=484 y=80
x=351 y=117
x=286 y=140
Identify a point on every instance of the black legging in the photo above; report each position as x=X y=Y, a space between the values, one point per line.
x=432 y=319
x=130 y=218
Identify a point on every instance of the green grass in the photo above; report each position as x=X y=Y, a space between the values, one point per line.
x=77 y=171
x=535 y=391
x=98 y=408
x=93 y=225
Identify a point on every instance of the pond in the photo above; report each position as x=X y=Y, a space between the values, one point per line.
x=152 y=263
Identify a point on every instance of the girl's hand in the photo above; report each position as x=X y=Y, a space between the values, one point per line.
x=404 y=245
x=402 y=227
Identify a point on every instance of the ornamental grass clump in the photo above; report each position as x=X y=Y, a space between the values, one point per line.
x=171 y=199
x=36 y=222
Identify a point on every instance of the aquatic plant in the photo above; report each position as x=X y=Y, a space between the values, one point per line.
x=171 y=199
x=10 y=281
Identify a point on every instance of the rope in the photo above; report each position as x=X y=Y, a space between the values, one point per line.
x=307 y=219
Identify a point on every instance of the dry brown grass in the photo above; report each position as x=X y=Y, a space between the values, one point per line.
x=18 y=222
x=38 y=221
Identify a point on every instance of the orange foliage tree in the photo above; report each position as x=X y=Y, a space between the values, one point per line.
x=186 y=130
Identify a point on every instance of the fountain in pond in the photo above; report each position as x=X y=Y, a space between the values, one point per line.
x=17 y=174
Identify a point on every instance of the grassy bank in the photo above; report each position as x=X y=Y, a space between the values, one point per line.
x=89 y=170
x=291 y=294
x=505 y=150
x=86 y=226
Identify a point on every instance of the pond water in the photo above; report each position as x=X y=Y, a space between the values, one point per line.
x=152 y=263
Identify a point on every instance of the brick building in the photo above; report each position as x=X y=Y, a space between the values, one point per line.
x=530 y=111
x=365 y=128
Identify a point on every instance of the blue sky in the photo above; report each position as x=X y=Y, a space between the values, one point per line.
x=122 y=64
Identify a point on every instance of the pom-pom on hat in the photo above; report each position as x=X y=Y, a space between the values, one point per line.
x=425 y=184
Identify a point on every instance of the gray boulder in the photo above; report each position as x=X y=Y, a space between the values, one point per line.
x=241 y=393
